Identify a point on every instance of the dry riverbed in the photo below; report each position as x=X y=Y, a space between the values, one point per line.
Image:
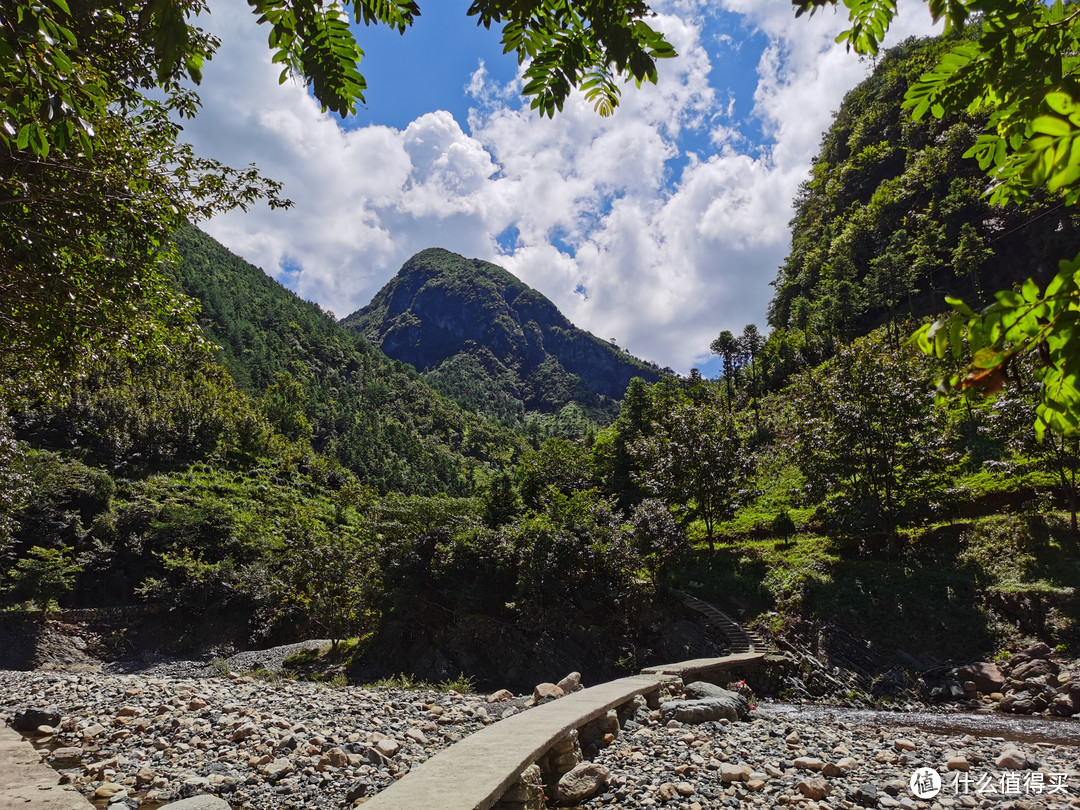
x=137 y=739
x=780 y=760
x=258 y=744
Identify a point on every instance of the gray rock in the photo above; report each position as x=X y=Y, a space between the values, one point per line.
x=199 y=803
x=356 y=792
x=866 y=795
x=581 y=783
x=1039 y=649
x=1034 y=669
x=27 y=720
x=194 y=786
x=1011 y=759
x=728 y=707
x=699 y=690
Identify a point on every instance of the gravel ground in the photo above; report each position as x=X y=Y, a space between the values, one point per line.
x=156 y=666
x=261 y=745
x=775 y=760
x=289 y=745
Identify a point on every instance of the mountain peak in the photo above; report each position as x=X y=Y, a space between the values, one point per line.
x=449 y=316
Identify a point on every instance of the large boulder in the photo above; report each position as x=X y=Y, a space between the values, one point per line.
x=986 y=676
x=28 y=720
x=1034 y=668
x=199 y=803
x=715 y=703
x=546 y=692
x=699 y=690
x=1065 y=704
x=1039 y=649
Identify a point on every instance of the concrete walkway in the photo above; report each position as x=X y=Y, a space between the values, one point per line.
x=27 y=782
x=698 y=669
x=474 y=773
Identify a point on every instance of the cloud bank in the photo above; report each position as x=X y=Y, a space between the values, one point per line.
x=658 y=227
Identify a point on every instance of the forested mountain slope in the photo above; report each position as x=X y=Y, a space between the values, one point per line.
x=894 y=218
x=322 y=382
x=493 y=343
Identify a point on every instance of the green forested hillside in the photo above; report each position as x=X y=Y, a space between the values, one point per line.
x=894 y=218
x=282 y=472
x=497 y=346
x=320 y=382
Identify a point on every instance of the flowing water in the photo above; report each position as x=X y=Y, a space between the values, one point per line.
x=1017 y=728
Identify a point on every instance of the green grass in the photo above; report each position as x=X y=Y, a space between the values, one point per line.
x=780 y=484
x=325 y=664
x=960 y=590
x=462 y=683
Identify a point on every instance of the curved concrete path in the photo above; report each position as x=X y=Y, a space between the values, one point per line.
x=27 y=782
x=474 y=773
x=702 y=669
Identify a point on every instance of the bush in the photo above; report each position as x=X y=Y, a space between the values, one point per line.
x=44 y=575
x=657 y=537
x=782 y=525
x=576 y=553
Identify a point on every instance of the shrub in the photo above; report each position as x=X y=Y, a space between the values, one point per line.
x=44 y=575
x=782 y=525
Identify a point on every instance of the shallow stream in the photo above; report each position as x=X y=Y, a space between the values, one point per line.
x=1016 y=728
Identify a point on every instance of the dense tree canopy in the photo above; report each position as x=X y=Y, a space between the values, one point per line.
x=1020 y=73
x=321 y=382
x=93 y=176
x=893 y=217
x=63 y=66
x=93 y=180
x=696 y=457
x=868 y=442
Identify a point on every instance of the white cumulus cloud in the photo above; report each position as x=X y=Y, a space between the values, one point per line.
x=631 y=233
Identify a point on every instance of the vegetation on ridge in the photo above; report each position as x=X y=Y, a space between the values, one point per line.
x=496 y=346
x=296 y=480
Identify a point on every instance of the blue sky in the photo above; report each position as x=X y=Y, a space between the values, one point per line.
x=659 y=226
x=415 y=73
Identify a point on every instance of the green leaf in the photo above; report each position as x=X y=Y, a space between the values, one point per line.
x=1030 y=291
x=956 y=338
x=1061 y=102
x=1008 y=298
x=1051 y=125
x=959 y=306
x=989 y=358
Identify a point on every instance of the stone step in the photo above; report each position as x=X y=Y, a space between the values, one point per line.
x=741 y=639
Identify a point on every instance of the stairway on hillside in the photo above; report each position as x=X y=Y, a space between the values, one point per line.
x=742 y=639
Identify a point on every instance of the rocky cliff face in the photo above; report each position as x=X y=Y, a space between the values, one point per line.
x=454 y=318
